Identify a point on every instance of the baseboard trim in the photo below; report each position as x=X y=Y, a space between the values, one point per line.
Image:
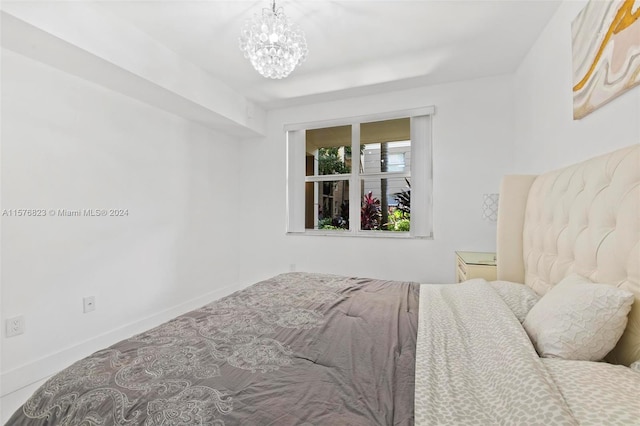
x=46 y=366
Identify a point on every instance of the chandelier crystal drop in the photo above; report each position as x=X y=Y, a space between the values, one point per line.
x=273 y=44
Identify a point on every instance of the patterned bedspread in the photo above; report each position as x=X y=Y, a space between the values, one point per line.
x=597 y=392
x=310 y=349
x=476 y=365
x=295 y=349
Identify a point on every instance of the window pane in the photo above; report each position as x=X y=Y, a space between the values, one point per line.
x=389 y=213
x=385 y=146
x=328 y=151
x=327 y=205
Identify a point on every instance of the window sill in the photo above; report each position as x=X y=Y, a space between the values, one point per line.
x=361 y=234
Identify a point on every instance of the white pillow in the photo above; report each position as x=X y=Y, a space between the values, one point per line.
x=578 y=319
x=519 y=297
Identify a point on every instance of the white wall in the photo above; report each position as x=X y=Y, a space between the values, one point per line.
x=70 y=144
x=547 y=137
x=207 y=212
x=472 y=139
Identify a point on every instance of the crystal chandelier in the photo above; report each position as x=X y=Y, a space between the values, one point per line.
x=273 y=44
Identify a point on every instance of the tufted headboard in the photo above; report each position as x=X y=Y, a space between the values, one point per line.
x=583 y=218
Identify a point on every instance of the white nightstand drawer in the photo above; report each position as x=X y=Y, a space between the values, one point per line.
x=471 y=265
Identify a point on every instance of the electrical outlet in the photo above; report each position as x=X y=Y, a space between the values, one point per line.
x=292 y=267
x=15 y=326
x=89 y=304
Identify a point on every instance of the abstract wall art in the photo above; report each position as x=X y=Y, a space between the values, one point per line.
x=606 y=53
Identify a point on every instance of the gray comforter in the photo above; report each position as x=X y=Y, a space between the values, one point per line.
x=295 y=349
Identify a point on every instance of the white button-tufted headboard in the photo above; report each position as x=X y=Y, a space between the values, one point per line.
x=585 y=219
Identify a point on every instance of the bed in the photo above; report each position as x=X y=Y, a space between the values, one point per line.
x=306 y=348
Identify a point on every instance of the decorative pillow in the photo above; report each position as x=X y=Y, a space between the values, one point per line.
x=578 y=319
x=519 y=297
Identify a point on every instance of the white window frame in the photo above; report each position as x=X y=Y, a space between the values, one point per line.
x=421 y=175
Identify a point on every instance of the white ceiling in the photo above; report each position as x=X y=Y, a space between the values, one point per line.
x=355 y=47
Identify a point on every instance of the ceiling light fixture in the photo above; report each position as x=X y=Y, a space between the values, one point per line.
x=273 y=44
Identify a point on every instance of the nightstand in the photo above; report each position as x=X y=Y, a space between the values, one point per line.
x=473 y=264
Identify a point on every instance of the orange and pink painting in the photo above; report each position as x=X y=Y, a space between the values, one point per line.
x=606 y=53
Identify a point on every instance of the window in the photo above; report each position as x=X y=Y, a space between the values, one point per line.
x=364 y=176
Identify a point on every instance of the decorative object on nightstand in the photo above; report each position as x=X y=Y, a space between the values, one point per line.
x=473 y=264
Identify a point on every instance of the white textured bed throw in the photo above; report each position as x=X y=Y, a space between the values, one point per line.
x=475 y=364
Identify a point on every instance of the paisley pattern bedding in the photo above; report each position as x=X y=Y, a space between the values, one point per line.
x=298 y=348
x=311 y=349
